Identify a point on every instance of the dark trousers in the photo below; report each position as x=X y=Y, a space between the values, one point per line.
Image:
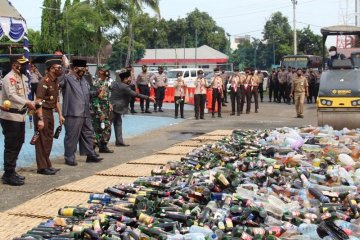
x=261 y=91
x=44 y=143
x=159 y=97
x=78 y=130
x=276 y=92
x=199 y=102
x=316 y=90
x=288 y=92
x=132 y=100
x=282 y=90
x=145 y=90
x=245 y=94
x=255 y=93
x=224 y=99
x=235 y=98
x=271 y=92
x=311 y=93
x=117 y=120
x=14 y=136
x=216 y=97
x=33 y=90
x=179 y=101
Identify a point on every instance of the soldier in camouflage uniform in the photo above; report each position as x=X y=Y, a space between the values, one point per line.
x=101 y=110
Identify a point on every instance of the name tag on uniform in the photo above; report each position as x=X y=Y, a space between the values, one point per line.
x=44 y=86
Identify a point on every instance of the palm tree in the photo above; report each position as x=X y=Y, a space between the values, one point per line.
x=135 y=6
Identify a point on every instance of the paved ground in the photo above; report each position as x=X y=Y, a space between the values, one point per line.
x=153 y=133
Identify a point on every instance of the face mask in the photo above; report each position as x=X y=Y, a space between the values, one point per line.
x=23 y=69
x=332 y=53
x=80 y=73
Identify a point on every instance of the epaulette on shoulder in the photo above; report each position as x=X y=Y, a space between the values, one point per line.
x=46 y=79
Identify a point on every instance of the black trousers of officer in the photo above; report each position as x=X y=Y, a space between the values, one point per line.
x=255 y=93
x=14 y=136
x=261 y=91
x=271 y=91
x=216 y=97
x=316 y=90
x=224 y=99
x=117 y=120
x=245 y=93
x=179 y=101
x=311 y=93
x=288 y=92
x=159 y=97
x=132 y=100
x=282 y=90
x=235 y=97
x=199 y=105
x=276 y=91
x=145 y=90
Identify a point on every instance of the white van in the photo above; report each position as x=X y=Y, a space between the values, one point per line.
x=189 y=75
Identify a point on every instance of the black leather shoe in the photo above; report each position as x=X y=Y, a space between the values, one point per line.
x=71 y=163
x=12 y=180
x=55 y=169
x=133 y=111
x=232 y=114
x=121 y=145
x=202 y=118
x=46 y=171
x=147 y=111
x=22 y=178
x=105 y=150
x=160 y=110
x=93 y=159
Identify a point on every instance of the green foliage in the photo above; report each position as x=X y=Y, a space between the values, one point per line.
x=35 y=40
x=309 y=43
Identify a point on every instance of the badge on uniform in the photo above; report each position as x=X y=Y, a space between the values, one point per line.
x=12 y=81
x=44 y=86
x=51 y=97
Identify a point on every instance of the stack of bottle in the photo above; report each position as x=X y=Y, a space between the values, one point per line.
x=258 y=184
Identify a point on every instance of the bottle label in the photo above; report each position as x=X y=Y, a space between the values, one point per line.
x=223 y=180
x=245 y=236
x=259 y=231
x=145 y=218
x=68 y=212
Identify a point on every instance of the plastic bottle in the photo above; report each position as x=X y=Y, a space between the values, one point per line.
x=346 y=160
x=197 y=229
x=355 y=229
x=309 y=230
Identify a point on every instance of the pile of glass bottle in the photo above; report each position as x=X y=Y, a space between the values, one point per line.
x=257 y=184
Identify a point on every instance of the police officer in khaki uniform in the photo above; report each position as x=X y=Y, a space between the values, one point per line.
x=217 y=92
x=235 y=92
x=246 y=91
x=48 y=93
x=12 y=119
x=179 y=95
x=143 y=84
x=159 y=83
x=225 y=80
x=200 y=95
x=255 y=89
x=299 y=90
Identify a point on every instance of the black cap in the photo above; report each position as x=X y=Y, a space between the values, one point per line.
x=160 y=68
x=53 y=60
x=200 y=72
x=144 y=66
x=236 y=69
x=79 y=63
x=216 y=69
x=124 y=74
x=332 y=48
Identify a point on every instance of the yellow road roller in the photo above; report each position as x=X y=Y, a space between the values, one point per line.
x=338 y=102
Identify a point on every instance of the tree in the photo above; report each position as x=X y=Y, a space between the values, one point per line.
x=309 y=43
x=277 y=32
x=35 y=40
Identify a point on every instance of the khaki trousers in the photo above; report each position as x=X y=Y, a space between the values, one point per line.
x=299 y=103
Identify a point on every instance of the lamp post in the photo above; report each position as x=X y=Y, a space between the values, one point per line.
x=196 y=43
x=294 y=2
x=67 y=25
x=155 y=43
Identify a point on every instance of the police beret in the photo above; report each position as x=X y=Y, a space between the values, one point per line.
x=79 y=63
x=52 y=61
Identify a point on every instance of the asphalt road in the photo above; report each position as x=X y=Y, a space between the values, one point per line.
x=271 y=115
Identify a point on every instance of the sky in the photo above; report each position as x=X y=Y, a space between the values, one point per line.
x=237 y=17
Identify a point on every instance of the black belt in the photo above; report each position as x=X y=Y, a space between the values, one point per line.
x=14 y=110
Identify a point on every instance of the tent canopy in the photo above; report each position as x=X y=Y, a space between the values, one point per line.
x=12 y=24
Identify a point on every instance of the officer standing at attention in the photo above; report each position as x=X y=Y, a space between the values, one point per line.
x=235 y=92
x=76 y=110
x=299 y=90
x=159 y=83
x=260 y=76
x=225 y=80
x=101 y=110
x=179 y=96
x=143 y=83
x=254 y=81
x=48 y=93
x=12 y=119
x=246 y=91
x=200 y=95
x=217 y=92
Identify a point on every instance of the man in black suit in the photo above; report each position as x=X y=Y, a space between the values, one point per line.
x=121 y=93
